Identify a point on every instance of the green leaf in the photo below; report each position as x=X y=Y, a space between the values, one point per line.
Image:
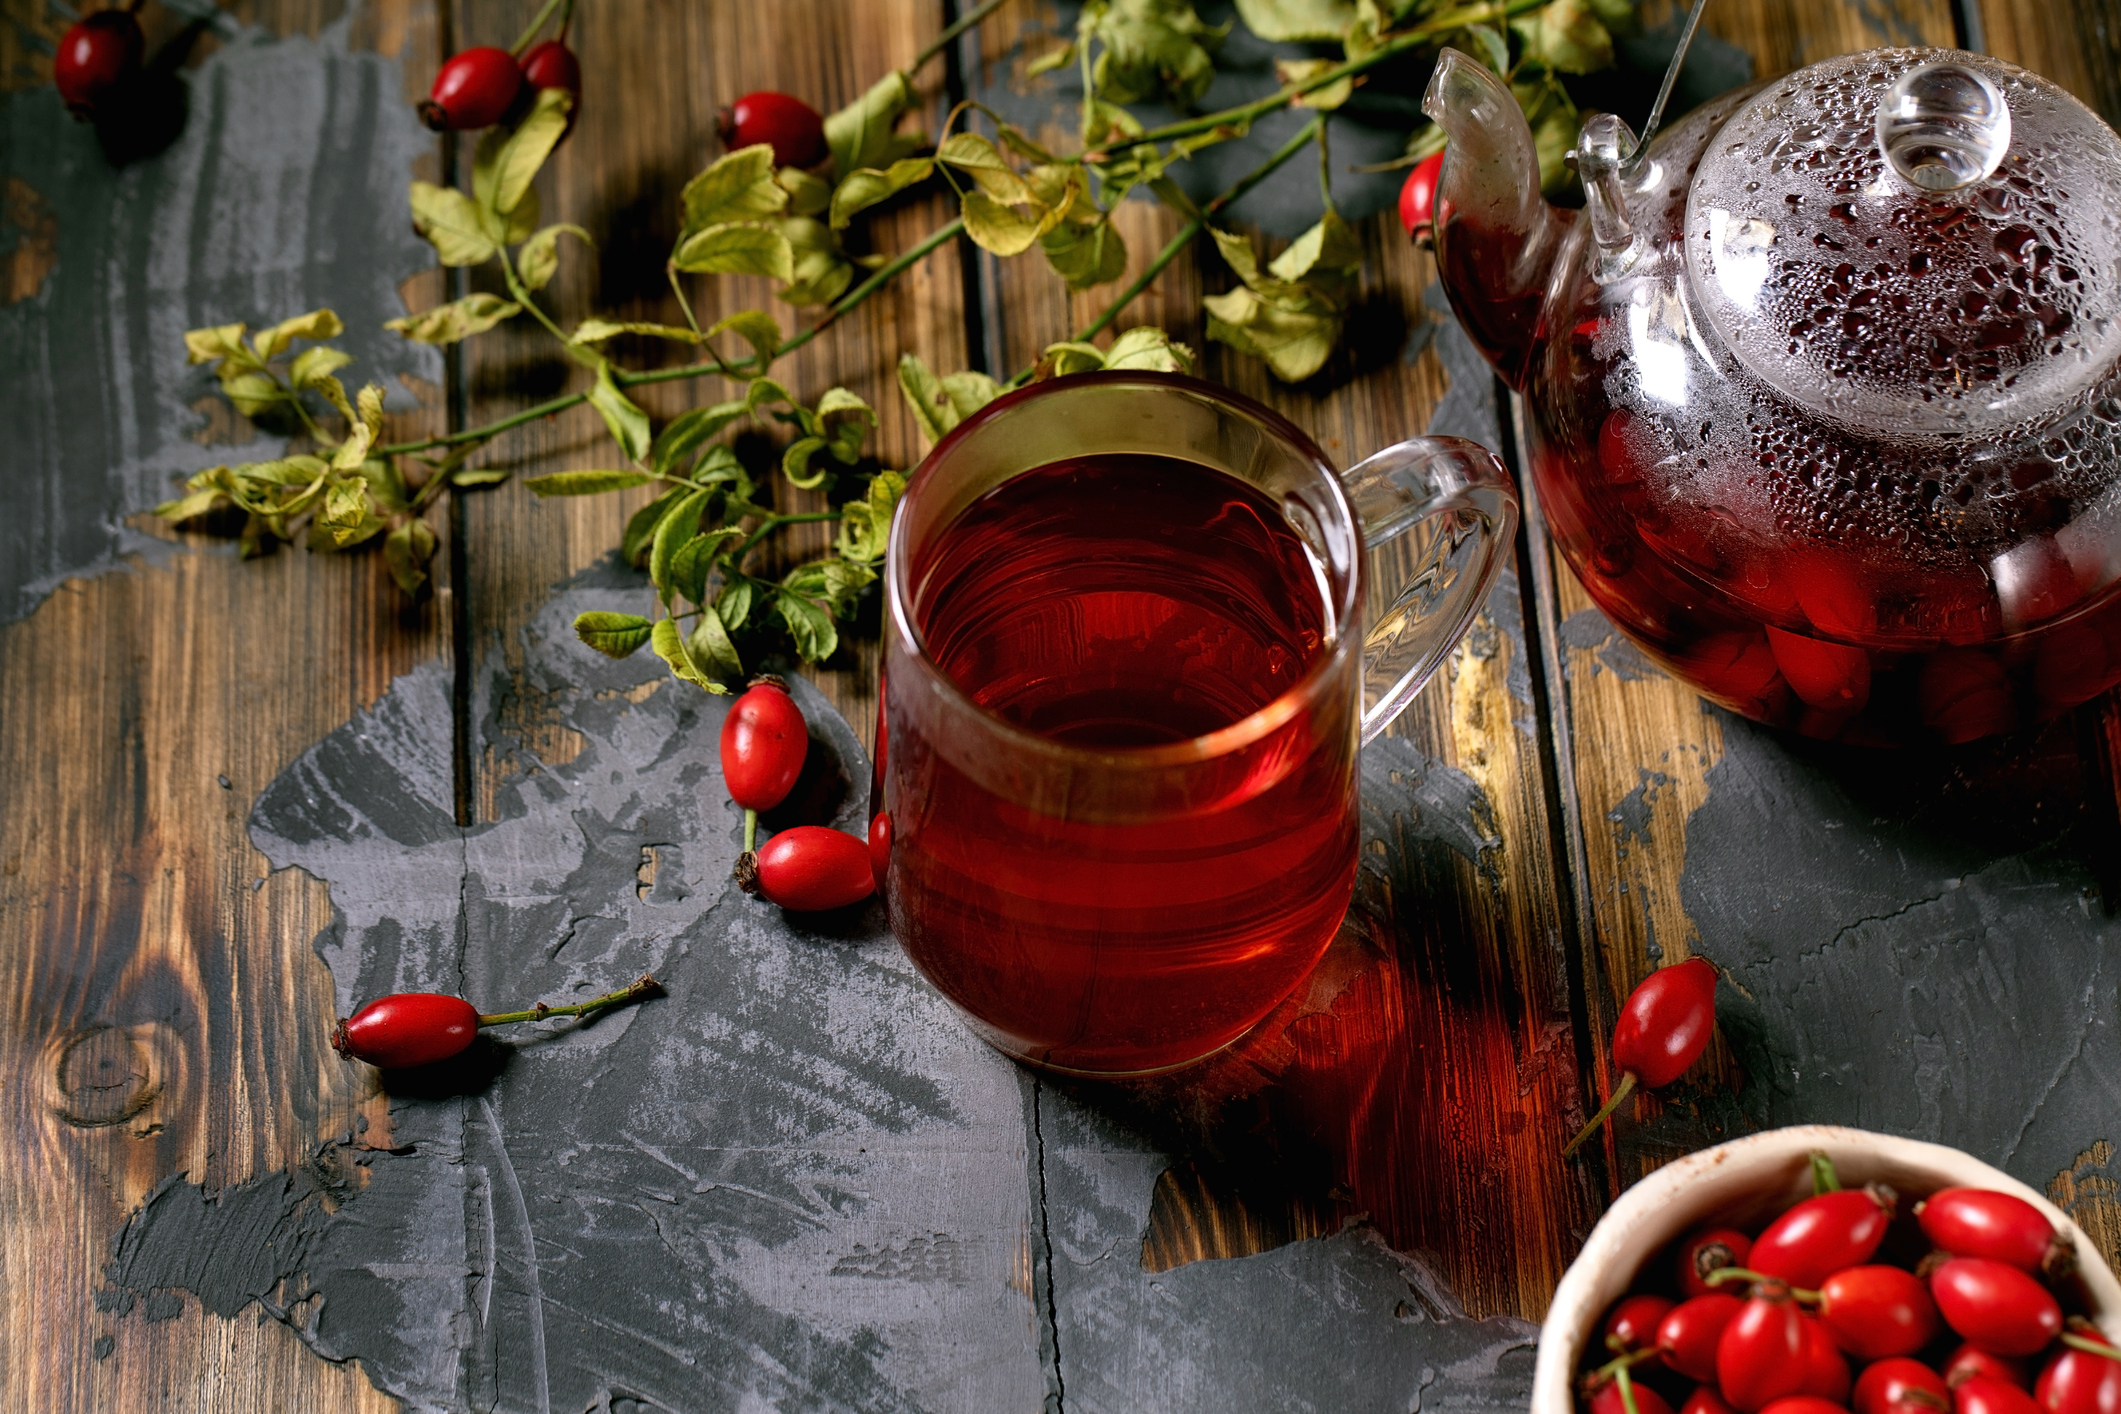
x=670 y=536
x=669 y=645
x=822 y=271
x=688 y=432
x=317 y=324
x=539 y=259
x=408 y=552
x=312 y=366
x=755 y=327
x=252 y=393
x=613 y=635
x=939 y=404
x=865 y=187
x=861 y=134
x=1003 y=229
x=1330 y=248
x=845 y=421
x=1494 y=46
x=361 y=435
x=835 y=581
x=1294 y=343
x=978 y=158
x=1291 y=316
x=795 y=463
x=585 y=483
x=1153 y=52
x=738 y=187
x=1148 y=348
x=733 y=604
x=865 y=525
x=459 y=319
x=807 y=195
x=1085 y=255
x=192 y=504
x=736 y=249
x=1053 y=59
x=1565 y=37
x=345 y=508
x=761 y=392
x=694 y=561
x=1299 y=21
x=1331 y=96
x=628 y=424
x=596 y=331
x=641 y=526
x=385 y=484
x=810 y=626
x=1019 y=142
x=223 y=342
x=477 y=476
x=507 y=162
x=1062 y=360
x=711 y=651
x=450 y=223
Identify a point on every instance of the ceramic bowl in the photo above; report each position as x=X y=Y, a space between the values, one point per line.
x=1745 y=1183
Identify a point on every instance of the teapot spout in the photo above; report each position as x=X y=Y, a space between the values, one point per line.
x=1496 y=237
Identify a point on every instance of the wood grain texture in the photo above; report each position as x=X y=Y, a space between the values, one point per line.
x=1438 y=1080
x=1840 y=891
x=2077 y=43
x=167 y=1013
x=654 y=77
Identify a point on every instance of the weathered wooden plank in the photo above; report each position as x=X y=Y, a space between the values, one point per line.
x=1914 y=941
x=2077 y=43
x=167 y=1014
x=1435 y=1082
x=654 y=78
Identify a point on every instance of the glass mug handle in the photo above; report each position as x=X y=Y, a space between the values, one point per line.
x=1460 y=504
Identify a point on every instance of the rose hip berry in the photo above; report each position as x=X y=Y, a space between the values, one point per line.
x=1970 y=1360
x=410 y=1029
x=1632 y=1326
x=1995 y=1306
x=1760 y=1357
x=1976 y=1222
x=1982 y=1395
x=1901 y=1386
x=1687 y=1338
x=1705 y=1400
x=1710 y=1251
x=809 y=869
x=794 y=129
x=1804 y=1404
x=1664 y=1027
x=2080 y=1381
x=1877 y=1312
x=473 y=90
x=553 y=65
x=1606 y=1399
x=1417 y=200
x=764 y=744
x=1823 y=1234
x=1826 y=1370
x=97 y=55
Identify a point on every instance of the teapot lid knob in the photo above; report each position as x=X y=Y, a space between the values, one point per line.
x=1944 y=126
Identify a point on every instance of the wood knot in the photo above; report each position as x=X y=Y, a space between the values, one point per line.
x=105 y=1077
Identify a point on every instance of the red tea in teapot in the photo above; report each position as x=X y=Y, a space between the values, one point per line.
x=1123 y=603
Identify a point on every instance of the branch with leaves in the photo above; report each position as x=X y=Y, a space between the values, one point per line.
x=743 y=215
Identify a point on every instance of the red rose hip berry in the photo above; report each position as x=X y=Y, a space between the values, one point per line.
x=1804 y=1404
x=97 y=55
x=1970 y=1360
x=1710 y=1251
x=1901 y=1386
x=1826 y=1370
x=1705 y=1400
x=1875 y=1313
x=794 y=129
x=2080 y=1381
x=553 y=65
x=1761 y=1355
x=474 y=90
x=1417 y=200
x=408 y=1029
x=1688 y=1336
x=1606 y=1399
x=1995 y=1306
x=764 y=744
x=1982 y=1395
x=1664 y=1027
x=1632 y=1325
x=809 y=869
x=1979 y=1222
x=1821 y=1235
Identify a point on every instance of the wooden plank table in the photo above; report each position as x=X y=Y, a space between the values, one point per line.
x=243 y=796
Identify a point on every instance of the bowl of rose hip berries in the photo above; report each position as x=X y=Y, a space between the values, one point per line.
x=1817 y=1270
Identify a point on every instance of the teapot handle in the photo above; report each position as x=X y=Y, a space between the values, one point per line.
x=1459 y=505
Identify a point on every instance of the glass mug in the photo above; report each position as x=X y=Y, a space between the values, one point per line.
x=1125 y=900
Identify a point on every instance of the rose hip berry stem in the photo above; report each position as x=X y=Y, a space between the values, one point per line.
x=2085 y=1343
x=1664 y=1027
x=408 y=1029
x=639 y=989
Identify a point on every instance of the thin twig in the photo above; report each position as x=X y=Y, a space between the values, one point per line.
x=523 y=39
x=942 y=41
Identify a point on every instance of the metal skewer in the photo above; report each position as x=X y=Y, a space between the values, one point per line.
x=1664 y=93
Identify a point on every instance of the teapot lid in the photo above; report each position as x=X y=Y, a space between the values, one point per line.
x=1913 y=241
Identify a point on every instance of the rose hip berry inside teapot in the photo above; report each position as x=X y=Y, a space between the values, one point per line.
x=1824 y=388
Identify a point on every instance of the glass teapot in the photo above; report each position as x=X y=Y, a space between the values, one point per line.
x=1824 y=385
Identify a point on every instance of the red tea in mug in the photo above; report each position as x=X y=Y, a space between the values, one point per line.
x=1126 y=604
